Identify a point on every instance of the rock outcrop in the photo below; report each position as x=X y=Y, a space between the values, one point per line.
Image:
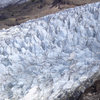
x=55 y=57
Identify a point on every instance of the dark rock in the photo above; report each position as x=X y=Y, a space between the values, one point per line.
x=3 y=17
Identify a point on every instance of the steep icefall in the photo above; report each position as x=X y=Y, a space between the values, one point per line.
x=46 y=58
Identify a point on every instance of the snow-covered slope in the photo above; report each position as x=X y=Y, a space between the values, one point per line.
x=4 y=3
x=52 y=57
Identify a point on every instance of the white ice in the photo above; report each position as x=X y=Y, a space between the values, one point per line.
x=47 y=58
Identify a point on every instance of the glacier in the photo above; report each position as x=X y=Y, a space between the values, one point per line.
x=55 y=57
x=4 y=3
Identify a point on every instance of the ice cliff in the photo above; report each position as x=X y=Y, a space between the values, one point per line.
x=51 y=58
x=4 y=3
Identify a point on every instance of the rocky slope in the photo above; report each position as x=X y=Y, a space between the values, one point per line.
x=92 y=93
x=4 y=3
x=51 y=58
x=17 y=14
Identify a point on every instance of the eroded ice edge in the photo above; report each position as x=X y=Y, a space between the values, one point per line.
x=4 y=3
x=52 y=57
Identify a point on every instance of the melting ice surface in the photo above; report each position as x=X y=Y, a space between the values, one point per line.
x=46 y=58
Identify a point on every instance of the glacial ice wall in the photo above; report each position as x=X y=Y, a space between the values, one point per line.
x=4 y=3
x=51 y=58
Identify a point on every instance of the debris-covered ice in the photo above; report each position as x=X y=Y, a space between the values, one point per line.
x=52 y=57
